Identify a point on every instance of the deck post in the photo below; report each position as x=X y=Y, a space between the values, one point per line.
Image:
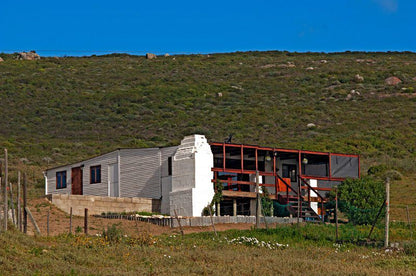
x=234 y=207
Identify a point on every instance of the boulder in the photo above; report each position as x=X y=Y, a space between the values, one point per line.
x=414 y=78
x=309 y=68
x=392 y=81
x=358 y=78
x=150 y=56
x=32 y=55
x=1 y=60
x=219 y=94
x=167 y=55
x=311 y=125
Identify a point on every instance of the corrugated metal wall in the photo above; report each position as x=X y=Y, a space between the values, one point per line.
x=140 y=173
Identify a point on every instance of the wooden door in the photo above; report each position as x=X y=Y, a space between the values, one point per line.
x=76 y=181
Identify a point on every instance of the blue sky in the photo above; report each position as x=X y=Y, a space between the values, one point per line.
x=87 y=27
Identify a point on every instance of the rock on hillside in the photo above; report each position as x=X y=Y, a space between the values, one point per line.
x=150 y=56
x=392 y=81
x=32 y=55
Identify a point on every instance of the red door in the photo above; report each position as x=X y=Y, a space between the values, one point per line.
x=76 y=180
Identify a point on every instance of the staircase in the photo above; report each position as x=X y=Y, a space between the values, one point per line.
x=300 y=205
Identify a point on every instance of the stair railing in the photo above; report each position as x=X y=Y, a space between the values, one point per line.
x=310 y=188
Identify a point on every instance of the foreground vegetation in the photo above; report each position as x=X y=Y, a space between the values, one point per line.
x=310 y=248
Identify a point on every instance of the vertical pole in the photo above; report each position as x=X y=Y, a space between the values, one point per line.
x=47 y=223
x=6 y=209
x=336 y=215
x=386 y=231
x=218 y=209
x=70 y=220
x=408 y=221
x=258 y=203
x=86 y=221
x=24 y=203
x=12 y=203
x=19 y=207
x=234 y=207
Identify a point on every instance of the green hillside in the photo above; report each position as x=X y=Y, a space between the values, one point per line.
x=59 y=110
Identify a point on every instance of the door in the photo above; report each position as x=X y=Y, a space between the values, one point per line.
x=76 y=181
x=113 y=180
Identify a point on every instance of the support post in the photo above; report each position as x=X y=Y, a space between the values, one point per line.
x=386 y=230
x=258 y=203
x=24 y=203
x=299 y=201
x=218 y=209
x=86 y=221
x=234 y=207
x=5 y=181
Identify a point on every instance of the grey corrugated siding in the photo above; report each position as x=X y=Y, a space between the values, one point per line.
x=99 y=189
x=140 y=173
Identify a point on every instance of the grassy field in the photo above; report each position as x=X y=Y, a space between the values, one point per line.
x=61 y=110
x=310 y=249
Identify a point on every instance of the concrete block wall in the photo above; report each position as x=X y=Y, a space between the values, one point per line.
x=98 y=204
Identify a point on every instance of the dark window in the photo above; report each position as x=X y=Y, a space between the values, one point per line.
x=95 y=173
x=61 y=180
x=169 y=165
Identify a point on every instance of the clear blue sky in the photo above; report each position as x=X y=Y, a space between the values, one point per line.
x=79 y=27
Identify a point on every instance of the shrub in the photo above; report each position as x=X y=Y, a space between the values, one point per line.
x=360 y=199
x=410 y=248
x=113 y=234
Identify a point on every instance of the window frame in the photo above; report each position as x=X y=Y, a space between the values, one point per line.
x=61 y=181
x=95 y=174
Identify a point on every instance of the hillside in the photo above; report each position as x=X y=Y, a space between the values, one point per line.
x=58 y=110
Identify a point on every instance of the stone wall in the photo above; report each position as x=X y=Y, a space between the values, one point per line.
x=101 y=204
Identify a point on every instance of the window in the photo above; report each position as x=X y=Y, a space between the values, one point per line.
x=61 y=180
x=169 y=165
x=95 y=174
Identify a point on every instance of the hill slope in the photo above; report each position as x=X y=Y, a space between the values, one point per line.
x=58 y=110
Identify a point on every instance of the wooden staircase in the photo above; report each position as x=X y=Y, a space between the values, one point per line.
x=301 y=205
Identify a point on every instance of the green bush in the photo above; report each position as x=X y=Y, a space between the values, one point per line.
x=113 y=234
x=360 y=199
x=410 y=248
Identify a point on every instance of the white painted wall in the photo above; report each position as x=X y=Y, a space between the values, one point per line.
x=192 y=188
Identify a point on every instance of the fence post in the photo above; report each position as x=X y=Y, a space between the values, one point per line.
x=12 y=203
x=336 y=215
x=86 y=221
x=70 y=220
x=5 y=181
x=408 y=221
x=19 y=207
x=386 y=230
x=47 y=223
x=258 y=204
x=24 y=203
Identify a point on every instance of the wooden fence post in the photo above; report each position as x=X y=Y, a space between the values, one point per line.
x=19 y=207
x=24 y=203
x=70 y=220
x=408 y=221
x=86 y=221
x=258 y=204
x=386 y=230
x=47 y=223
x=5 y=181
x=12 y=203
x=336 y=215
x=33 y=220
